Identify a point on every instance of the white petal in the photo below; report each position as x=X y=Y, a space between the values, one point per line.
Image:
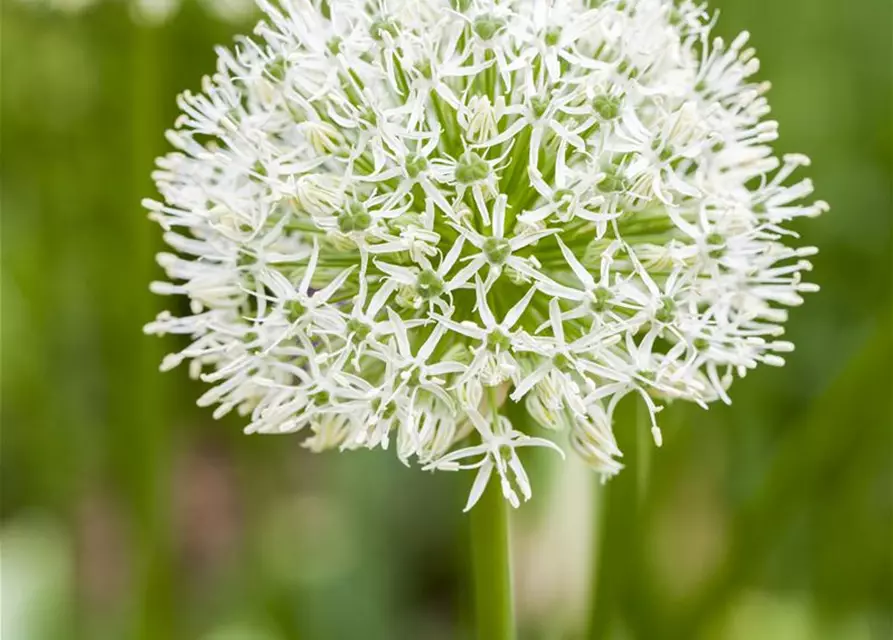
x=480 y=484
x=580 y=271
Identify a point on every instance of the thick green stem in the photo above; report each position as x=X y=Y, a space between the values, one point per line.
x=140 y=392
x=616 y=528
x=644 y=443
x=494 y=607
x=491 y=561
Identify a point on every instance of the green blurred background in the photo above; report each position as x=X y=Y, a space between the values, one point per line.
x=128 y=513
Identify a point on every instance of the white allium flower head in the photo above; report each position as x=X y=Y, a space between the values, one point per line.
x=391 y=217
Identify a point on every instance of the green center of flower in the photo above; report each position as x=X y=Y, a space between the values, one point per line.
x=277 y=68
x=647 y=375
x=412 y=377
x=369 y=118
x=486 y=27
x=608 y=107
x=334 y=45
x=538 y=105
x=358 y=328
x=384 y=409
x=664 y=151
x=666 y=311
x=497 y=250
x=429 y=285
x=354 y=218
x=425 y=69
x=506 y=453
x=382 y=26
x=415 y=165
x=562 y=362
x=294 y=309
x=563 y=199
x=471 y=168
x=717 y=245
x=552 y=36
x=613 y=182
x=496 y=339
x=601 y=296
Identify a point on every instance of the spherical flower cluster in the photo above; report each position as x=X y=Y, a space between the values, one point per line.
x=391 y=218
